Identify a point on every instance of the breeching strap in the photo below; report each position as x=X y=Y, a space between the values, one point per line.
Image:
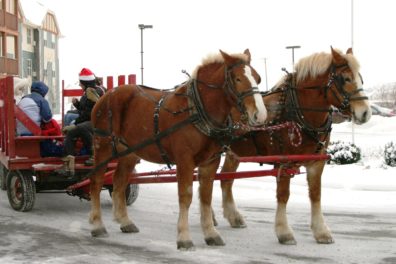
x=149 y=141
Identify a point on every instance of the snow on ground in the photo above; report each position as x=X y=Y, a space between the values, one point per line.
x=358 y=200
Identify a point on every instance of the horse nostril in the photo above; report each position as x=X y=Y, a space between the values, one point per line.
x=255 y=117
x=364 y=116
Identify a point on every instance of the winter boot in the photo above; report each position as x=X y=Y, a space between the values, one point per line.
x=67 y=168
x=90 y=161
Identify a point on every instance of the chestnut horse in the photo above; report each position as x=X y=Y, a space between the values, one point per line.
x=188 y=126
x=322 y=80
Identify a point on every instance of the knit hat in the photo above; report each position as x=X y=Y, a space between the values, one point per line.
x=86 y=75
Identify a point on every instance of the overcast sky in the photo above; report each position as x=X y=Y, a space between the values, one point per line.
x=104 y=35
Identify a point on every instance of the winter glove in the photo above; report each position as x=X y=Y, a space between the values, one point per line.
x=92 y=95
x=68 y=128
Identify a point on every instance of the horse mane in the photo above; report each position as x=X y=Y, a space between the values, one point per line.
x=216 y=58
x=318 y=63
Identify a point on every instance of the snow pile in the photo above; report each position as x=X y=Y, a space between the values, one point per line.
x=390 y=154
x=343 y=153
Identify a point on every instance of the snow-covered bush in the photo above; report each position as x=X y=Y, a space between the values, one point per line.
x=343 y=152
x=390 y=154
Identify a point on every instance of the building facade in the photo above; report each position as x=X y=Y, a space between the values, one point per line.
x=38 y=47
x=9 y=37
x=29 y=37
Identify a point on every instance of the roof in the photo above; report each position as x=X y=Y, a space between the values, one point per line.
x=33 y=13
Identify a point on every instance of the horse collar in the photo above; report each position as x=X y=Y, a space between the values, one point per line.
x=205 y=123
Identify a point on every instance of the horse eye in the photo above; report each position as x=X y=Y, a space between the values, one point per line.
x=347 y=79
x=238 y=80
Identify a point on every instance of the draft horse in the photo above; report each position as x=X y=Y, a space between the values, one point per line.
x=305 y=97
x=187 y=126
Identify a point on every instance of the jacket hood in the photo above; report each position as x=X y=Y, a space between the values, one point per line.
x=39 y=87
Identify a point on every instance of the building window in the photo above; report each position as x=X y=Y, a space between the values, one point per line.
x=29 y=35
x=10 y=6
x=11 y=44
x=45 y=38
x=29 y=67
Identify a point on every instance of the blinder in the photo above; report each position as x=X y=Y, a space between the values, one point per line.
x=236 y=96
x=339 y=82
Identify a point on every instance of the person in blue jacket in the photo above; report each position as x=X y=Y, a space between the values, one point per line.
x=35 y=106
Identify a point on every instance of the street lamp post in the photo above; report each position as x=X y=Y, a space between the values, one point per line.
x=142 y=27
x=266 y=75
x=352 y=123
x=292 y=48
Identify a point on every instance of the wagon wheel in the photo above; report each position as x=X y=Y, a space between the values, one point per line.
x=3 y=177
x=21 y=190
x=131 y=193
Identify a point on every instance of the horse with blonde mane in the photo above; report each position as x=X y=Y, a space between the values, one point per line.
x=306 y=97
x=187 y=126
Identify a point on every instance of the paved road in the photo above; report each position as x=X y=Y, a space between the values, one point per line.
x=57 y=231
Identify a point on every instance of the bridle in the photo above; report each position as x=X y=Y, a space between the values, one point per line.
x=229 y=87
x=205 y=123
x=237 y=97
x=338 y=81
x=293 y=111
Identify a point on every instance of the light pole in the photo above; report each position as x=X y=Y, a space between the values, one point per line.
x=142 y=27
x=292 y=48
x=266 y=75
x=352 y=123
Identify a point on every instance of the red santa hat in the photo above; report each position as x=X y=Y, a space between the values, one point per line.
x=86 y=75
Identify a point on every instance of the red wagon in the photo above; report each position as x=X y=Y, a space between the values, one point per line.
x=23 y=172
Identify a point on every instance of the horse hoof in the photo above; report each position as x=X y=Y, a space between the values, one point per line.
x=214 y=241
x=287 y=240
x=325 y=240
x=100 y=232
x=131 y=228
x=185 y=245
x=238 y=223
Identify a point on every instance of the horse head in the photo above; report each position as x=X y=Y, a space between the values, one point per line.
x=345 y=87
x=242 y=87
x=336 y=76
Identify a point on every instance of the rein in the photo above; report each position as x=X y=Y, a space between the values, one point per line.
x=144 y=143
x=198 y=117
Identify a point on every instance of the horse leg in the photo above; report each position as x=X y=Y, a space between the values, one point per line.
x=319 y=228
x=282 y=229
x=184 y=183
x=230 y=210
x=206 y=175
x=96 y=185
x=120 y=182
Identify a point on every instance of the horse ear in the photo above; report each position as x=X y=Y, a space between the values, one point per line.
x=349 y=51
x=247 y=52
x=227 y=58
x=337 y=58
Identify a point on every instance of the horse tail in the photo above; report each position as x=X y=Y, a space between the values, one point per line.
x=108 y=113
